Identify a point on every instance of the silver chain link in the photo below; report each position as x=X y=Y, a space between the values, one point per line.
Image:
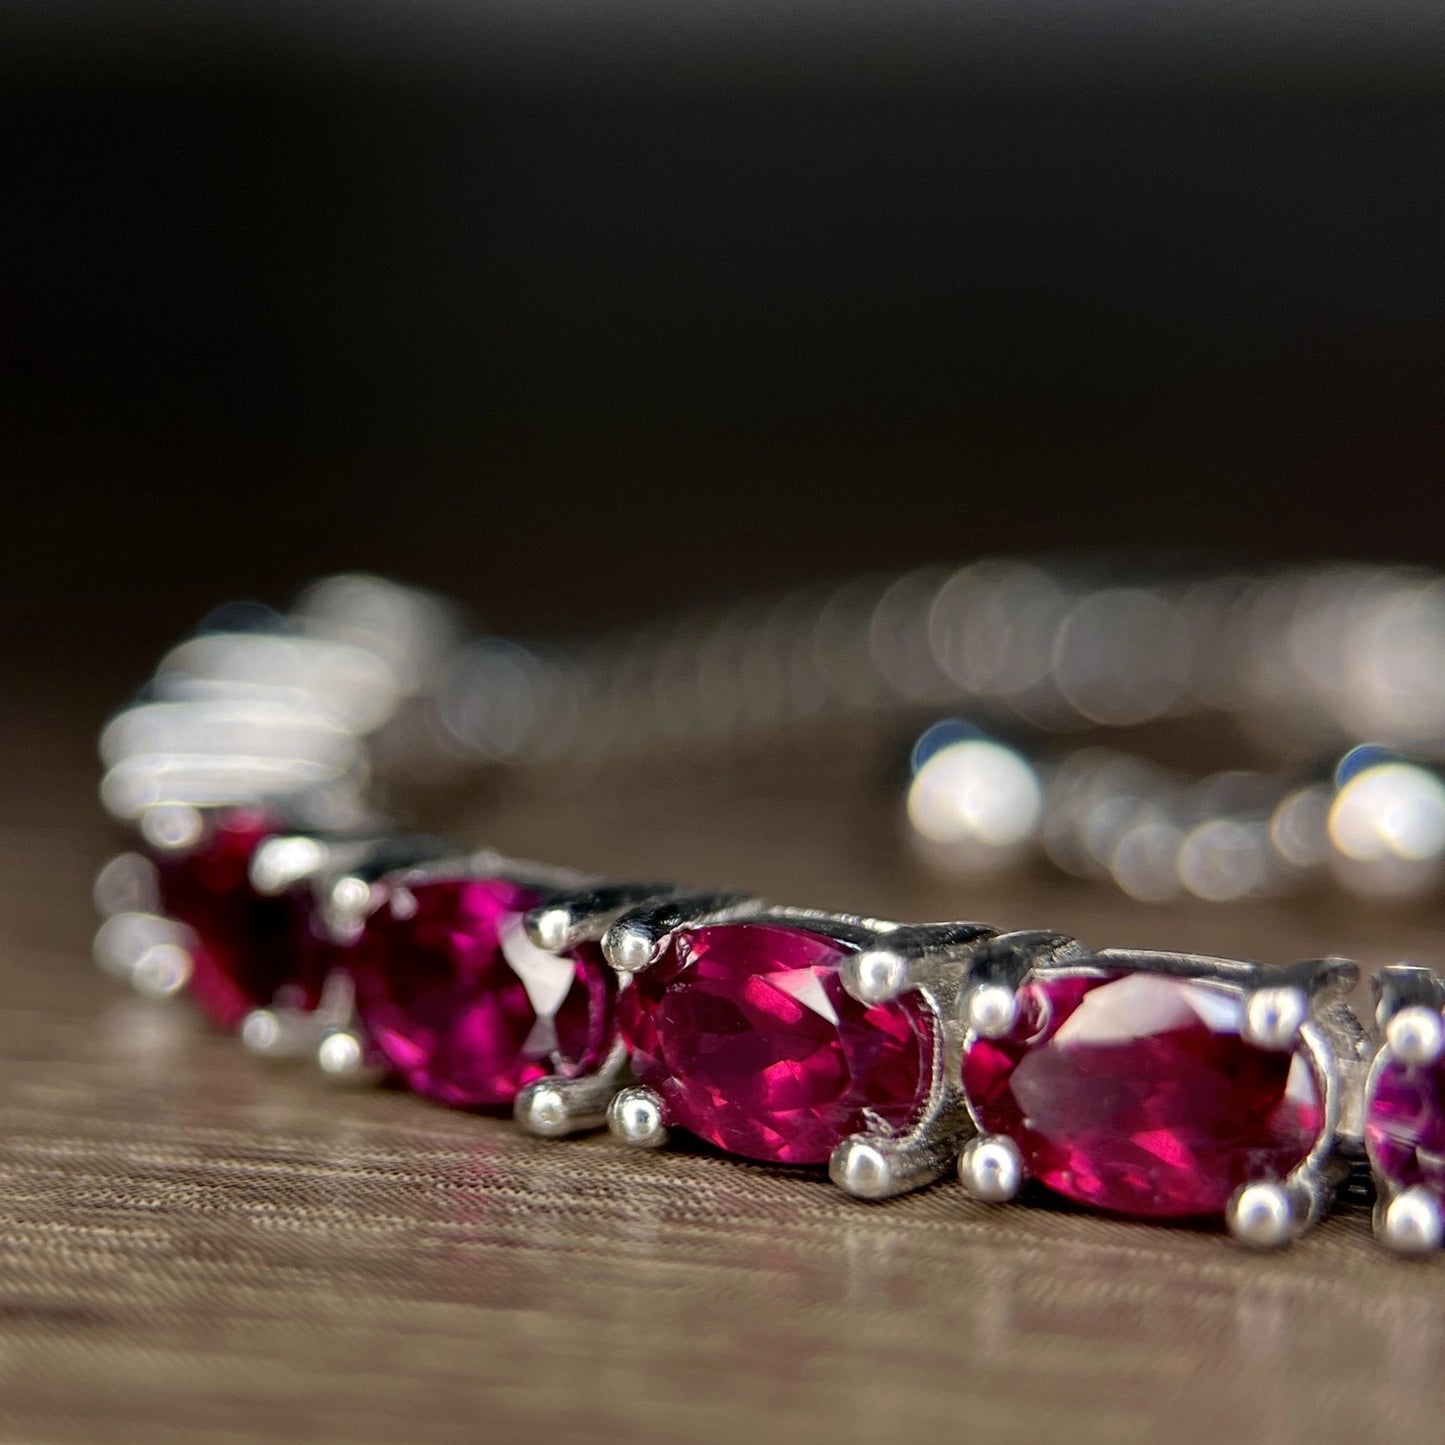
x=1330 y=681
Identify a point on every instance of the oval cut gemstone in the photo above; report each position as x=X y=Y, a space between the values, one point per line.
x=746 y=1033
x=1405 y=1125
x=463 y=1007
x=1136 y=1093
x=247 y=949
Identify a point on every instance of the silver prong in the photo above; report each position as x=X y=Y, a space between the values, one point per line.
x=1416 y=1035
x=583 y=915
x=1411 y=1223
x=991 y=1168
x=556 y=1106
x=348 y=901
x=281 y=863
x=541 y=1109
x=553 y=1108
x=874 y=975
x=991 y=1010
x=927 y=956
x=628 y=949
x=145 y=950
x=277 y=1033
x=350 y=894
x=1273 y=1017
x=125 y=938
x=873 y=1167
x=341 y=1055
x=127 y=884
x=550 y=928
x=1263 y=1215
x=162 y=971
x=635 y=1117
x=634 y=940
x=172 y=827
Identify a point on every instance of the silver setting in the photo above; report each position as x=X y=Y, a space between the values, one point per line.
x=172 y=827
x=281 y=863
x=636 y=938
x=146 y=950
x=573 y=917
x=345 y=906
x=1263 y=1215
x=880 y=1166
x=635 y=1117
x=926 y=956
x=992 y=1010
x=1416 y=1035
x=277 y=1032
x=928 y=962
x=161 y=972
x=341 y=1054
x=127 y=884
x=875 y=975
x=992 y=1169
x=556 y=1106
x=1408 y=1011
x=1411 y=1222
x=345 y=873
x=1273 y=1017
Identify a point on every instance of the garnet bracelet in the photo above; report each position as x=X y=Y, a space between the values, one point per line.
x=1149 y=1085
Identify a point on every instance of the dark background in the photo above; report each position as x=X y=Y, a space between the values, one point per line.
x=584 y=310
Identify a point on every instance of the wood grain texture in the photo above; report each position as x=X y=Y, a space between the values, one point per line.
x=194 y=1246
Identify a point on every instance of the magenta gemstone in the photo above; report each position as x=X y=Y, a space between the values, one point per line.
x=1135 y=1093
x=745 y=1032
x=463 y=1007
x=247 y=950
x=1405 y=1125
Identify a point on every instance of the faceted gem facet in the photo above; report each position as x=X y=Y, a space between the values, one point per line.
x=1135 y=1093
x=746 y=1033
x=463 y=1007
x=1405 y=1125
x=247 y=950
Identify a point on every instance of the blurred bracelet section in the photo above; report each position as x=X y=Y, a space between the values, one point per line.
x=1223 y=735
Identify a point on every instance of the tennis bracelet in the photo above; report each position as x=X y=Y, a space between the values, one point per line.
x=268 y=884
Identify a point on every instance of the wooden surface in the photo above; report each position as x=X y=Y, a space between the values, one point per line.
x=194 y=1246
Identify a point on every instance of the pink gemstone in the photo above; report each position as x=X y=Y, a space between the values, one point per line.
x=1136 y=1093
x=248 y=950
x=462 y=1007
x=1405 y=1125
x=745 y=1032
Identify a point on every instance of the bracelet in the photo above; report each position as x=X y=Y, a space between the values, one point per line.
x=269 y=886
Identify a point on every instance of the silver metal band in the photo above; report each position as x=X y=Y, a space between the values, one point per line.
x=1330 y=679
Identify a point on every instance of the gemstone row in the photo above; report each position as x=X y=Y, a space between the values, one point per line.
x=1127 y=1091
